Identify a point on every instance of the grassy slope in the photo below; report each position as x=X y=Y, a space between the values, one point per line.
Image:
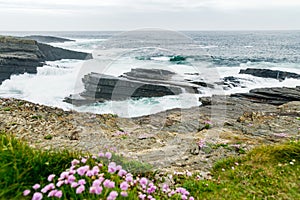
x=264 y=173
x=267 y=172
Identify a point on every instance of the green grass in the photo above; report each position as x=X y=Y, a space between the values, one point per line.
x=22 y=166
x=264 y=173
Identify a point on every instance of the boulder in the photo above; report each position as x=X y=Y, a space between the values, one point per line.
x=267 y=73
x=274 y=96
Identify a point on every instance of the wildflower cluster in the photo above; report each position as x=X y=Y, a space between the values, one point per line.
x=121 y=133
x=90 y=178
x=208 y=124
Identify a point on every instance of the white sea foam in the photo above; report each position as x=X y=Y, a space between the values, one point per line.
x=57 y=80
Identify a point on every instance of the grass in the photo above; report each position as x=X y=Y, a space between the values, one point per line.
x=266 y=172
x=22 y=166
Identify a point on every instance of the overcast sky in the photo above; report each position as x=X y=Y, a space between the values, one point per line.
x=99 y=15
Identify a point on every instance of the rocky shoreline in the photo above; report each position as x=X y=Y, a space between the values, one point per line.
x=23 y=55
x=176 y=140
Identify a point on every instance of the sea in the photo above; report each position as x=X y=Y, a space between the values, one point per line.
x=210 y=56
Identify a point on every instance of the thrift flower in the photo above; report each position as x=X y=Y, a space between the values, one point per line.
x=37 y=196
x=122 y=173
x=80 y=189
x=59 y=183
x=36 y=186
x=112 y=195
x=51 y=177
x=101 y=155
x=201 y=143
x=108 y=155
x=124 y=186
x=124 y=194
x=74 y=185
x=64 y=175
x=26 y=192
x=142 y=196
x=71 y=179
x=75 y=162
x=58 y=194
x=52 y=193
x=83 y=160
x=81 y=182
x=129 y=179
x=82 y=170
x=143 y=181
x=108 y=184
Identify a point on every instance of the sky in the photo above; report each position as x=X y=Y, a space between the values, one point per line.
x=101 y=15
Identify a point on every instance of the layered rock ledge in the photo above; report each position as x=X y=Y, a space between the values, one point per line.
x=137 y=83
x=268 y=73
x=18 y=56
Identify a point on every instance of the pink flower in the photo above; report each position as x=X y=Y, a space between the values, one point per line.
x=165 y=188
x=201 y=143
x=95 y=170
x=183 y=197
x=112 y=167
x=81 y=182
x=108 y=155
x=191 y=198
x=92 y=190
x=96 y=190
x=80 y=189
x=89 y=173
x=64 y=175
x=26 y=192
x=51 y=177
x=36 y=186
x=119 y=167
x=112 y=195
x=75 y=162
x=74 y=185
x=143 y=181
x=151 y=188
x=129 y=178
x=52 y=193
x=142 y=196
x=189 y=173
x=83 y=160
x=97 y=182
x=37 y=196
x=58 y=194
x=122 y=173
x=108 y=184
x=124 y=186
x=59 y=183
x=71 y=179
x=124 y=194
x=150 y=197
x=101 y=155
x=183 y=191
x=82 y=170
x=48 y=187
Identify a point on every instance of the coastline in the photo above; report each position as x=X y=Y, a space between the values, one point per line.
x=170 y=140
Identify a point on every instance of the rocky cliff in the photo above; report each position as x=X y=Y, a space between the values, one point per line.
x=18 y=56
